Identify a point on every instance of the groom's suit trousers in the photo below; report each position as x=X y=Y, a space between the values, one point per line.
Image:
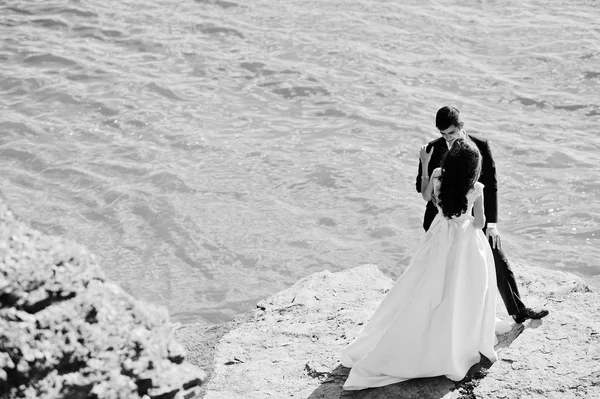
x=507 y=285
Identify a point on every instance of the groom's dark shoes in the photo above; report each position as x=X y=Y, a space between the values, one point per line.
x=529 y=313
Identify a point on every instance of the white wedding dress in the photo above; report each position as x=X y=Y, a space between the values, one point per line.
x=439 y=316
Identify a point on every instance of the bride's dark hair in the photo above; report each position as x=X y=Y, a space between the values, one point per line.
x=461 y=167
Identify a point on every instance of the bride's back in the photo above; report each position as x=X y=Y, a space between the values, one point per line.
x=455 y=188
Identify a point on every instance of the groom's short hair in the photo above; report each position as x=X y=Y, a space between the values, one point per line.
x=448 y=116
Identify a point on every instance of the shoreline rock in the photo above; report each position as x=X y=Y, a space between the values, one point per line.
x=289 y=345
x=67 y=331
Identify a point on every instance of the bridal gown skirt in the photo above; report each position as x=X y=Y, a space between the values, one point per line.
x=437 y=318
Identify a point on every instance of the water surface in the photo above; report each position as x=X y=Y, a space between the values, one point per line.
x=211 y=153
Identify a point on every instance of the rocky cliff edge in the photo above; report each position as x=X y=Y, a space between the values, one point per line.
x=289 y=346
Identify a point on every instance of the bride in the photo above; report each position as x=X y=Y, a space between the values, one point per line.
x=440 y=316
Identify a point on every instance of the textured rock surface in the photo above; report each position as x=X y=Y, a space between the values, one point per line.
x=67 y=332
x=289 y=347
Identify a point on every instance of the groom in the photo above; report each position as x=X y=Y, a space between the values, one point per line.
x=450 y=126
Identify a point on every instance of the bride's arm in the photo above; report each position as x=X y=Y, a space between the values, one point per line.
x=428 y=192
x=479 y=213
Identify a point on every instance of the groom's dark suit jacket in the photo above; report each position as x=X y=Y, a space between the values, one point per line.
x=488 y=178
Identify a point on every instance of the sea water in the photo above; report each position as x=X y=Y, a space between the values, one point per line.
x=213 y=152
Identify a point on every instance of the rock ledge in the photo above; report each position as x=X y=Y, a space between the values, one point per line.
x=289 y=346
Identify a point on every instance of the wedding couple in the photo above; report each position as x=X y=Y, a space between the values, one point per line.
x=440 y=316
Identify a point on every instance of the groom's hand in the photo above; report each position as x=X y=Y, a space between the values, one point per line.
x=493 y=236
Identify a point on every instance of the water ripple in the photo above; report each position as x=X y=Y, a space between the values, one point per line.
x=218 y=3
